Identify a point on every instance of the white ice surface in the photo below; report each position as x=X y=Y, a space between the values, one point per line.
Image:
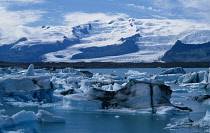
x=45 y=116
x=30 y=71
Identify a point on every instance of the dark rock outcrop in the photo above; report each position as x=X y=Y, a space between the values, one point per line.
x=34 y=53
x=128 y=46
x=181 y=52
x=81 y=30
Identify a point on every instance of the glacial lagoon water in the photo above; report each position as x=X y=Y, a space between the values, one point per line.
x=81 y=121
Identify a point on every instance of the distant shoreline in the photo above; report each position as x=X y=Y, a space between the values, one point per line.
x=83 y=65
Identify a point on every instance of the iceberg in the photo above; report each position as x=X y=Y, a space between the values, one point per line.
x=136 y=94
x=188 y=123
x=24 y=116
x=172 y=74
x=182 y=123
x=24 y=121
x=45 y=116
x=29 y=88
x=170 y=110
x=204 y=122
x=168 y=77
x=5 y=71
x=70 y=70
x=175 y=70
x=131 y=74
x=30 y=70
x=81 y=102
x=193 y=77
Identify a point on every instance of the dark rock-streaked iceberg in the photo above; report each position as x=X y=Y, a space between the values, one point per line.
x=136 y=94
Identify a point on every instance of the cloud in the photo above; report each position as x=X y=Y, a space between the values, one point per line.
x=10 y=3
x=166 y=4
x=77 y=18
x=19 y=17
x=24 y=1
x=198 y=4
x=198 y=10
x=185 y=4
x=12 y=20
x=144 y=8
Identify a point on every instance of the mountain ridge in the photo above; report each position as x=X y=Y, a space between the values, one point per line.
x=82 y=42
x=181 y=52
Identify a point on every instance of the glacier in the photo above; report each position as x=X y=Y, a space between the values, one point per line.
x=76 y=43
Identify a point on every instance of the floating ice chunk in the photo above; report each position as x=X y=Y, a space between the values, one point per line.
x=107 y=87
x=168 y=77
x=74 y=85
x=30 y=71
x=85 y=86
x=110 y=87
x=123 y=84
x=5 y=71
x=185 y=122
x=27 y=88
x=72 y=79
x=23 y=120
x=44 y=116
x=80 y=101
x=116 y=116
x=53 y=79
x=136 y=75
x=16 y=84
x=104 y=87
x=170 y=126
x=193 y=77
x=132 y=72
x=204 y=122
x=170 y=110
x=190 y=78
x=117 y=86
x=175 y=70
x=24 y=116
x=201 y=75
x=136 y=94
x=69 y=70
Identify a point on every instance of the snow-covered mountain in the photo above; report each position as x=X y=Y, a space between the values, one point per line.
x=118 y=39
